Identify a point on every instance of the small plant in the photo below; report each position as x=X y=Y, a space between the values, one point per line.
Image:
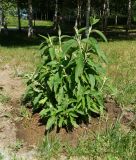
x=18 y=145
x=69 y=82
x=4 y=98
x=50 y=147
x=25 y=113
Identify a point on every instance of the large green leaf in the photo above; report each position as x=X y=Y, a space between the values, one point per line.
x=73 y=122
x=92 y=80
x=82 y=30
x=51 y=121
x=61 y=121
x=100 y=34
x=44 y=112
x=79 y=66
x=36 y=99
x=68 y=45
x=52 y=53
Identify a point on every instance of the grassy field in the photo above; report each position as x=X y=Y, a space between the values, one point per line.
x=13 y=22
x=21 y=59
x=114 y=144
x=122 y=70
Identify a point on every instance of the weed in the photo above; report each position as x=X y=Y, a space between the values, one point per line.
x=17 y=146
x=25 y=113
x=4 y=98
x=50 y=147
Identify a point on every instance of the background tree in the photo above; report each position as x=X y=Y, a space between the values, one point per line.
x=88 y=10
x=30 y=18
x=19 y=16
x=129 y=15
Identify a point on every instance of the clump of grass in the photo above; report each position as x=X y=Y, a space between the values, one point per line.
x=25 y=113
x=4 y=98
x=17 y=146
x=50 y=147
x=113 y=144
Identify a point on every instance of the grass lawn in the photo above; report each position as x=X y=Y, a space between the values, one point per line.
x=22 y=59
x=13 y=22
x=113 y=144
x=122 y=70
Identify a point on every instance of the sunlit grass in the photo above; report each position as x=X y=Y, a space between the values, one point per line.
x=112 y=144
x=13 y=22
x=122 y=69
x=21 y=59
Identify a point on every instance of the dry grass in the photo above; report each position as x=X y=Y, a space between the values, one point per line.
x=22 y=59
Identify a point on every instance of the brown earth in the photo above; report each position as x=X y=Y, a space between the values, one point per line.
x=31 y=130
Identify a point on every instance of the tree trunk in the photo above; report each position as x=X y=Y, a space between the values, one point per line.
x=30 y=18
x=79 y=9
x=0 y=15
x=129 y=15
x=116 y=20
x=56 y=15
x=106 y=12
x=47 y=11
x=88 y=10
x=4 y=23
x=19 y=17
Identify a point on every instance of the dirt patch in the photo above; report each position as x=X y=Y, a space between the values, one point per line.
x=12 y=87
x=31 y=131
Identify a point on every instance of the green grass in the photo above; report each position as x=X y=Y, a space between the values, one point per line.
x=4 y=98
x=13 y=22
x=122 y=70
x=112 y=144
x=21 y=59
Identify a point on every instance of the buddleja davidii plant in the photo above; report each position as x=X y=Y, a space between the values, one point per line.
x=68 y=84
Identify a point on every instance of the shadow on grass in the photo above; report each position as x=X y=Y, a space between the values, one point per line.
x=20 y=39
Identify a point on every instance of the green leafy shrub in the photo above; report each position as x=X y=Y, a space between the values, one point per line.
x=68 y=84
